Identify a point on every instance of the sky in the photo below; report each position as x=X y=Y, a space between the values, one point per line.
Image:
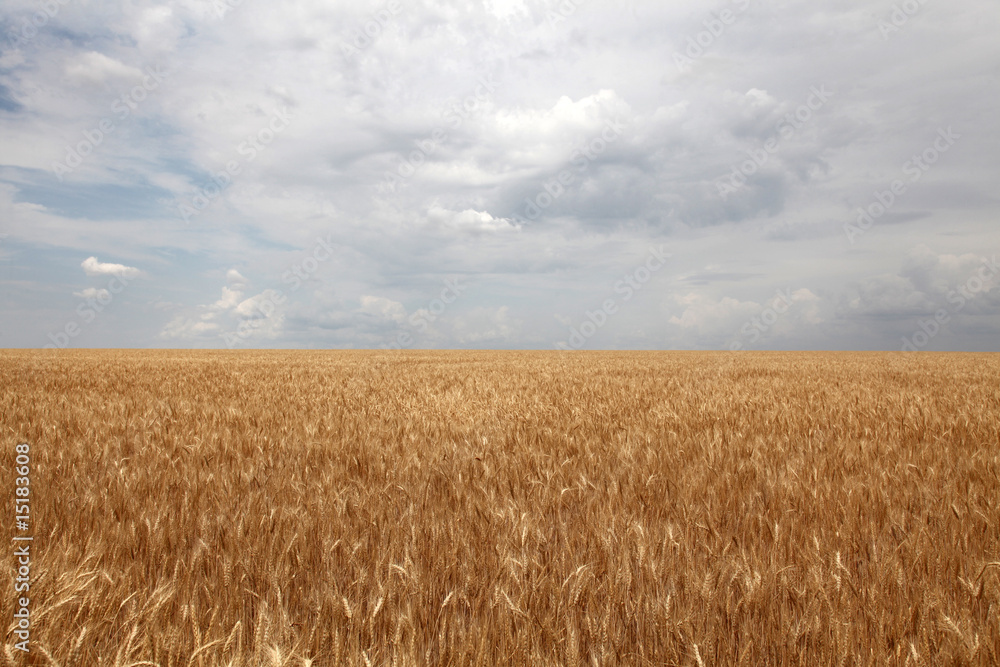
x=502 y=174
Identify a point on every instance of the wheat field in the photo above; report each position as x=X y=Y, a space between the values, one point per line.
x=492 y=508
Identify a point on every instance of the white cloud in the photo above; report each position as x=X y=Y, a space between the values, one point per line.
x=263 y=314
x=716 y=323
x=706 y=315
x=93 y=267
x=481 y=325
x=157 y=28
x=256 y=307
x=184 y=328
x=236 y=279
x=811 y=307
x=546 y=137
x=93 y=293
x=258 y=316
x=230 y=299
x=383 y=309
x=469 y=220
x=94 y=67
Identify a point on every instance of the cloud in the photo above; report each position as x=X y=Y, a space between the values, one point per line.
x=566 y=121
x=156 y=29
x=236 y=279
x=778 y=320
x=889 y=295
x=183 y=328
x=232 y=319
x=93 y=293
x=94 y=67
x=231 y=298
x=469 y=220
x=7 y=101
x=262 y=314
x=927 y=282
x=486 y=326
x=92 y=267
x=707 y=316
x=487 y=105
x=382 y=309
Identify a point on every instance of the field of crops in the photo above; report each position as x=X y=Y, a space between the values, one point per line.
x=488 y=508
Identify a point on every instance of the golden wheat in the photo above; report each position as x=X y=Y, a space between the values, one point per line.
x=477 y=508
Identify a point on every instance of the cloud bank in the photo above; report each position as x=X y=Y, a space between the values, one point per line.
x=312 y=174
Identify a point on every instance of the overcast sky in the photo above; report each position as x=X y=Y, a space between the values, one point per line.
x=500 y=174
